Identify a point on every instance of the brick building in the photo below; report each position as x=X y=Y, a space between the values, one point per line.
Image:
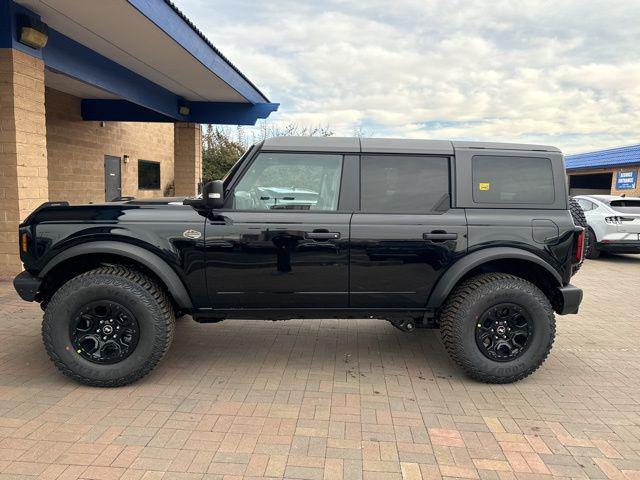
x=613 y=171
x=100 y=100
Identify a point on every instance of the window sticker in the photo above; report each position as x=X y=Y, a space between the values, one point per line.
x=484 y=186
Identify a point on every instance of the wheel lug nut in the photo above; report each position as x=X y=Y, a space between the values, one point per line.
x=101 y=322
x=114 y=336
x=104 y=338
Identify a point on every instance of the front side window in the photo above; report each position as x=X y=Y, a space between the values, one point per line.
x=148 y=175
x=507 y=179
x=290 y=181
x=404 y=184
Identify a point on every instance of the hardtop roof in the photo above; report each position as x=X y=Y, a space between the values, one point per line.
x=389 y=145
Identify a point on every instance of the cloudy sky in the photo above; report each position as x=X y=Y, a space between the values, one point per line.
x=559 y=72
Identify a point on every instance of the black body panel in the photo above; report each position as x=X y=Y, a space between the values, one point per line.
x=155 y=228
x=296 y=263
x=277 y=259
x=397 y=259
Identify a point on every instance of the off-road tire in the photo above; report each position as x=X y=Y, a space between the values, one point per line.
x=581 y=221
x=143 y=297
x=591 y=251
x=470 y=300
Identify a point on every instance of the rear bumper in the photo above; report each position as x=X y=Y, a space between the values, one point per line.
x=619 y=246
x=571 y=299
x=27 y=286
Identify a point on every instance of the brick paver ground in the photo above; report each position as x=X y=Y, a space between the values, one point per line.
x=333 y=399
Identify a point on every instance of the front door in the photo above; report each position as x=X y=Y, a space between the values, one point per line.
x=112 y=178
x=406 y=234
x=282 y=242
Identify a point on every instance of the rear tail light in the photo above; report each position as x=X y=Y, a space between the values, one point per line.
x=617 y=220
x=580 y=246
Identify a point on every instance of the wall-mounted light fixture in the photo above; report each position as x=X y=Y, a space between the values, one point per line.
x=125 y=158
x=183 y=108
x=33 y=32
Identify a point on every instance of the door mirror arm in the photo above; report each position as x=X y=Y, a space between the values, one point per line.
x=212 y=197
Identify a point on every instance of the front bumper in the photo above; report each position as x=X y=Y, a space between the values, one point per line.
x=570 y=299
x=27 y=286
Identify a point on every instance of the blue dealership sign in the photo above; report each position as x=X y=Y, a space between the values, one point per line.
x=627 y=180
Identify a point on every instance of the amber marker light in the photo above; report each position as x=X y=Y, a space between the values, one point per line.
x=23 y=242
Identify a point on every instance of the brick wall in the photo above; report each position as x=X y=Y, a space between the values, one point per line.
x=187 y=147
x=614 y=171
x=23 y=154
x=76 y=151
x=48 y=153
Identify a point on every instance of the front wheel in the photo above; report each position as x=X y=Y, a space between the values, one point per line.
x=498 y=328
x=108 y=327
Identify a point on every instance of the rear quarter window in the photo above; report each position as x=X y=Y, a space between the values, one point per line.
x=627 y=205
x=512 y=179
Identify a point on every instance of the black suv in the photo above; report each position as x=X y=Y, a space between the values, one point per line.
x=474 y=238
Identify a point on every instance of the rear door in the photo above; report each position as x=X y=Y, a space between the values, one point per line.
x=405 y=234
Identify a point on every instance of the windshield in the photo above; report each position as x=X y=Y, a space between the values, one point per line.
x=626 y=205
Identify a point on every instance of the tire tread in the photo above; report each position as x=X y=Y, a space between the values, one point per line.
x=450 y=321
x=162 y=339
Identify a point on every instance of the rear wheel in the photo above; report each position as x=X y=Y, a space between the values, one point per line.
x=591 y=251
x=499 y=328
x=108 y=327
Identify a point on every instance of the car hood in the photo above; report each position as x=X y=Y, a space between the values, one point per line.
x=63 y=212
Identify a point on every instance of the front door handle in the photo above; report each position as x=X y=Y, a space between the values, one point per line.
x=322 y=235
x=439 y=236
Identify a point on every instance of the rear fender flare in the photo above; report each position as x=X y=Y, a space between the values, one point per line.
x=153 y=262
x=459 y=269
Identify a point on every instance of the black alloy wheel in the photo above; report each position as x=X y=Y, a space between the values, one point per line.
x=104 y=332
x=503 y=332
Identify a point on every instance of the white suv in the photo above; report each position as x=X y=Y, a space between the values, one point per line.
x=614 y=223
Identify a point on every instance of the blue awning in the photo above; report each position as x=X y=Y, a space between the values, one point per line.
x=136 y=60
x=611 y=157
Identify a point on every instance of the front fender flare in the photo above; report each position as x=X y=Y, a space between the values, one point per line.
x=150 y=260
x=459 y=269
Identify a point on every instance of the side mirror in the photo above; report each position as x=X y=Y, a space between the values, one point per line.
x=212 y=196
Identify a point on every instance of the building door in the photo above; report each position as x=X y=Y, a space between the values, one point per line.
x=112 y=178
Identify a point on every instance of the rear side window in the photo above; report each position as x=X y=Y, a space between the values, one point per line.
x=586 y=205
x=505 y=179
x=404 y=184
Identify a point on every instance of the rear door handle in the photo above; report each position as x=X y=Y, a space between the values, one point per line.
x=322 y=235
x=439 y=236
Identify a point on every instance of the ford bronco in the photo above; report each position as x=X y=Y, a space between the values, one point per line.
x=476 y=239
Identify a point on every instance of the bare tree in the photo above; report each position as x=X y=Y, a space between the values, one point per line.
x=222 y=146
